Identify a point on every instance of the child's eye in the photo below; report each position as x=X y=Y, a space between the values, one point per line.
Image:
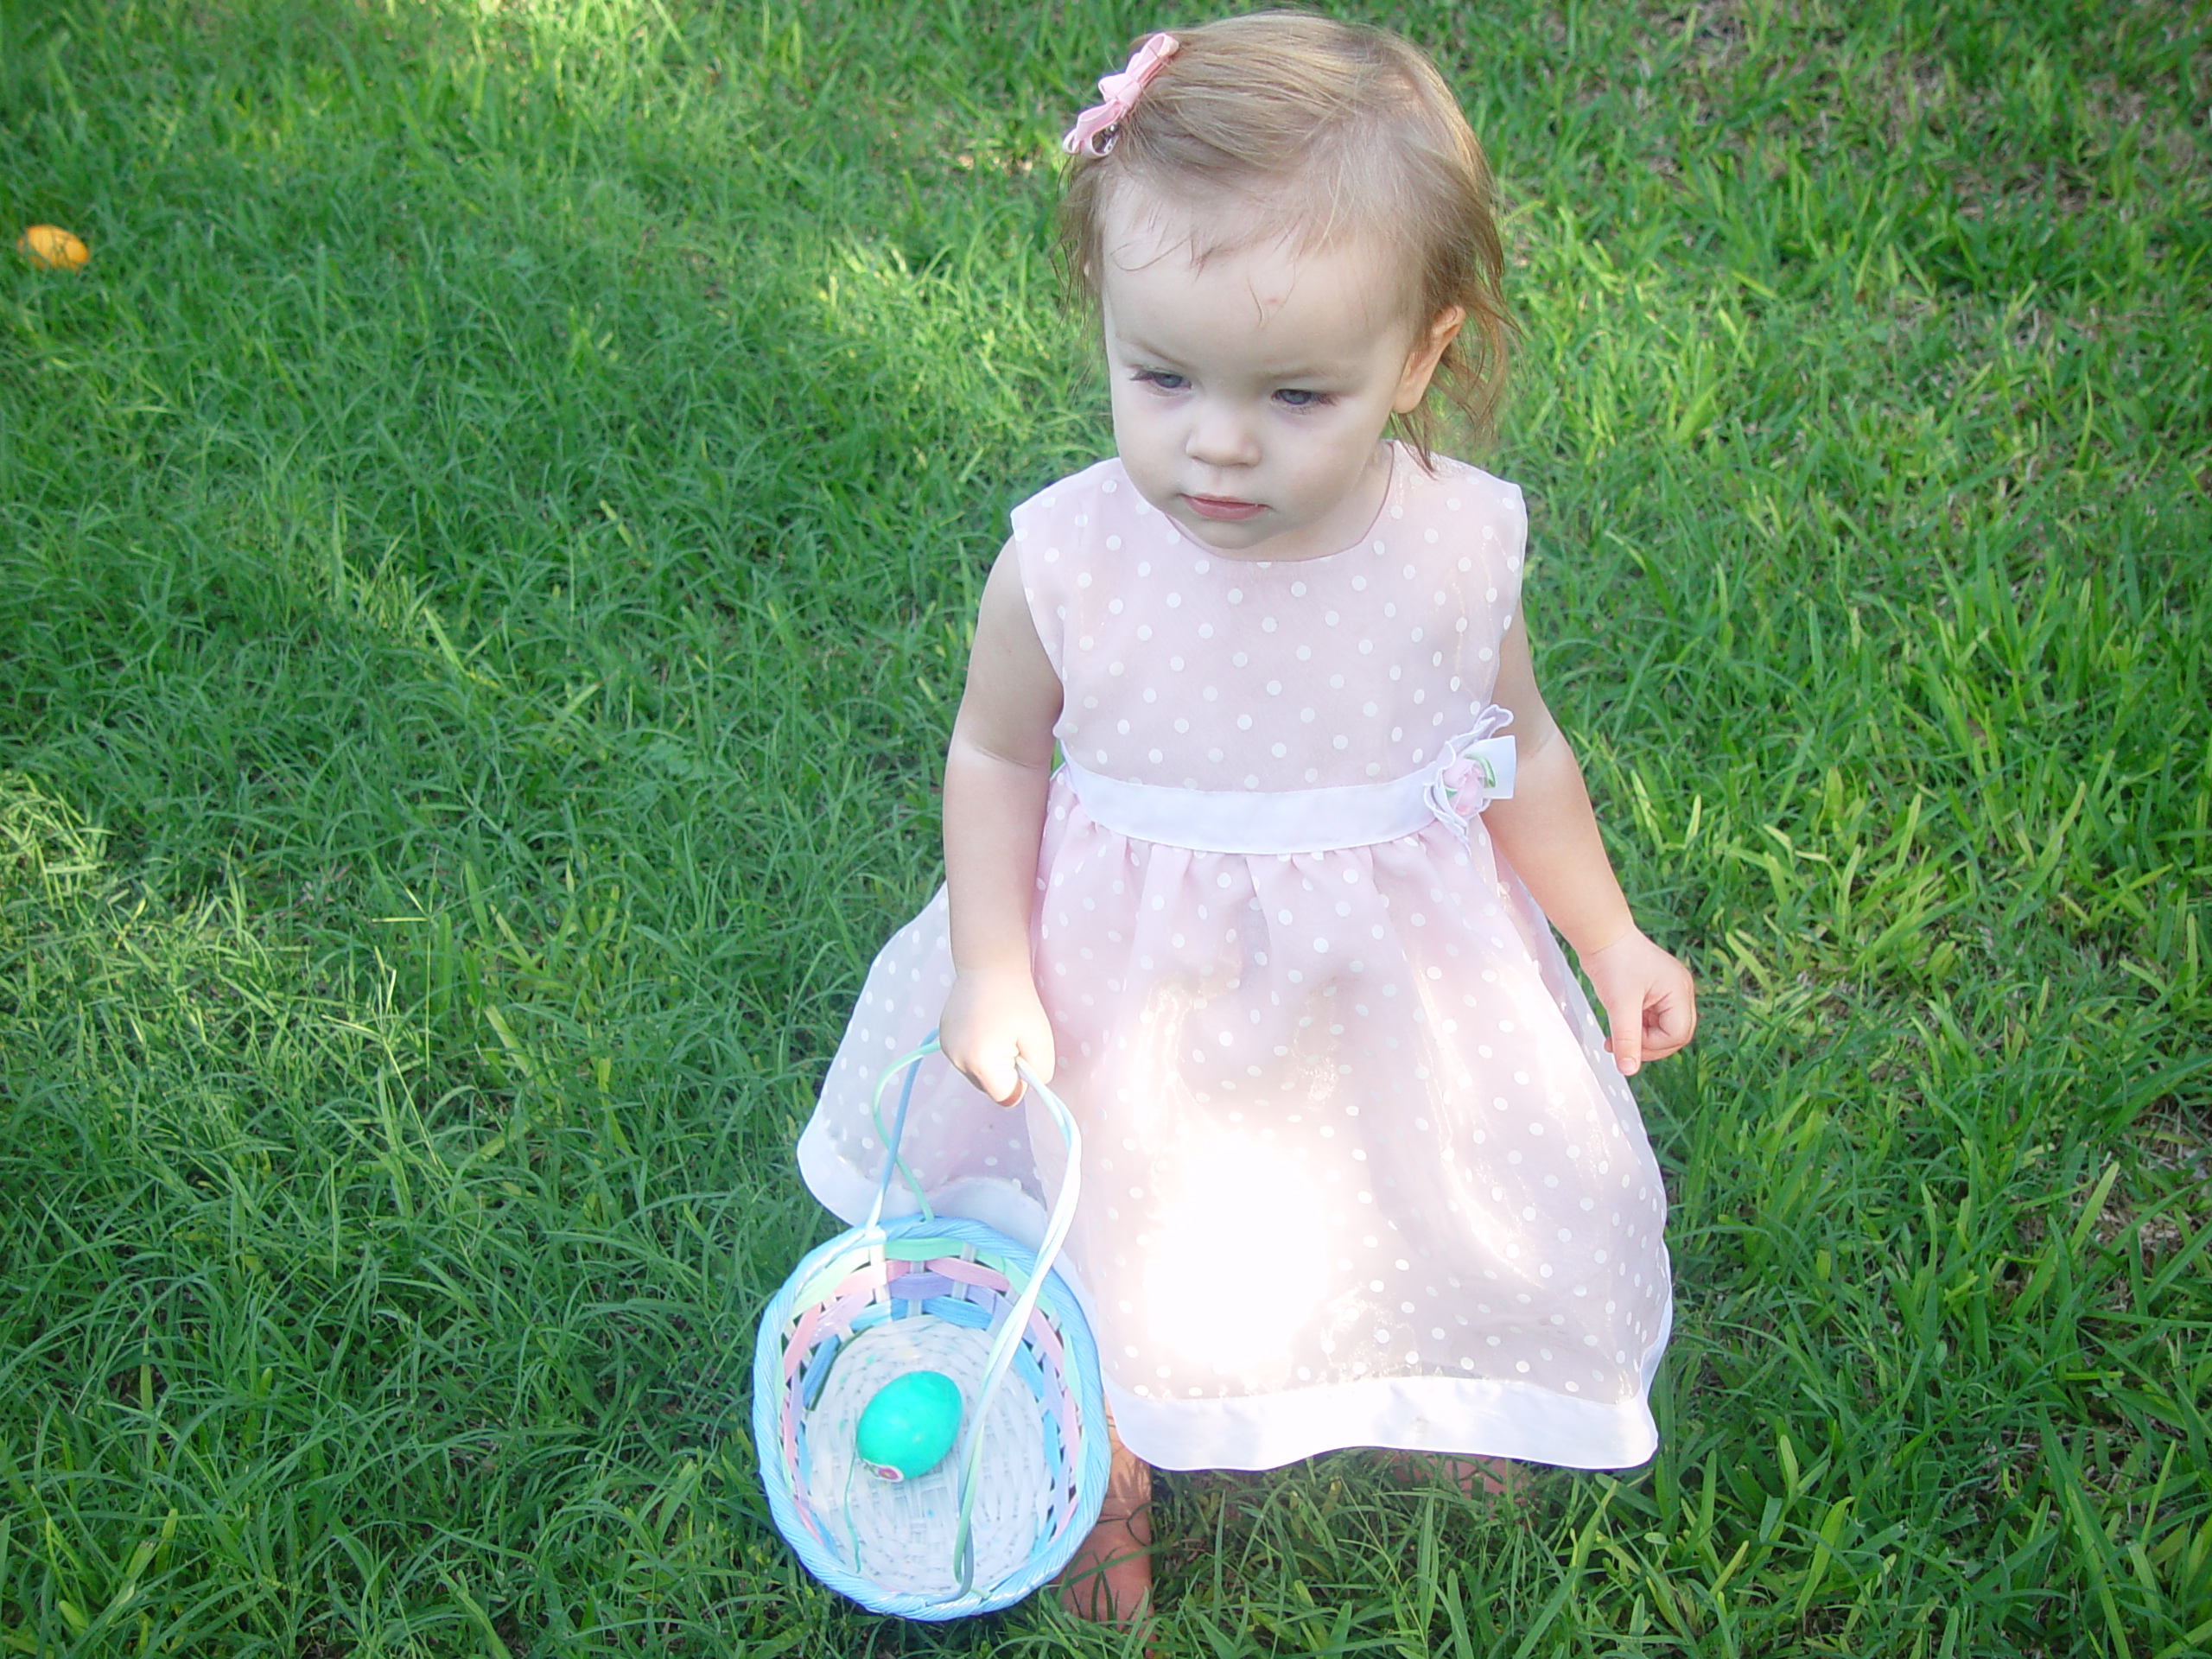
x=1299 y=399
x=1161 y=378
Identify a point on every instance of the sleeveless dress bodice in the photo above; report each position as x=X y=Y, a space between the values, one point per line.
x=1184 y=668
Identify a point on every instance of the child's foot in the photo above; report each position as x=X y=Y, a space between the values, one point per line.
x=1110 y=1579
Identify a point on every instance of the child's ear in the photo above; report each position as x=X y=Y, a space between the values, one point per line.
x=1428 y=349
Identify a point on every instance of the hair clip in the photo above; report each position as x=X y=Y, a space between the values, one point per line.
x=1093 y=132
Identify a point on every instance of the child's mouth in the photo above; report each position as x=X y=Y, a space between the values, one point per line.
x=1221 y=506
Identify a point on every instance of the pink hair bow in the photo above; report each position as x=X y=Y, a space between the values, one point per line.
x=1093 y=132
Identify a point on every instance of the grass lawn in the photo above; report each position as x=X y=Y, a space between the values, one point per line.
x=487 y=550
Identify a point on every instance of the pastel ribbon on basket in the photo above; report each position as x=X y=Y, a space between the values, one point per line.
x=1093 y=132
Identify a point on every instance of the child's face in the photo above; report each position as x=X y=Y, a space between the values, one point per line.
x=1251 y=392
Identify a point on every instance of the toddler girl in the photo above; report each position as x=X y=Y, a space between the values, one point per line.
x=1358 y=1169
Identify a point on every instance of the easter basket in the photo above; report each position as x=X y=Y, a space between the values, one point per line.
x=1005 y=1509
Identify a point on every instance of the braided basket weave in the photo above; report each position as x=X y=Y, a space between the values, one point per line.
x=1003 y=1513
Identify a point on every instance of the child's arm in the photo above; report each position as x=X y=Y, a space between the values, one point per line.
x=1549 y=835
x=996 y=773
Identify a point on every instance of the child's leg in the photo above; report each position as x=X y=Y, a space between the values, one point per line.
x=1490 y=1477
x=1110 y=1579
x=1475 y=1477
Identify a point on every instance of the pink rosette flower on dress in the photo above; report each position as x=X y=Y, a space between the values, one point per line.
x=1093 y=132
x=1477 y=769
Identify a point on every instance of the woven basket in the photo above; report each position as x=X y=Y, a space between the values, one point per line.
x=1002 y=1513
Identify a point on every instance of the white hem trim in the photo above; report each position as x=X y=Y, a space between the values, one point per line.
x=1475 y=1418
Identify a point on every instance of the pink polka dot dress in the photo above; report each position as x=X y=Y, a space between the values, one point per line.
x=1357 y=1170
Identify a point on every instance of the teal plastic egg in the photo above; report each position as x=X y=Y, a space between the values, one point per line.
x=909 y=1425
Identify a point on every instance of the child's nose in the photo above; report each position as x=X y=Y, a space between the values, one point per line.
x=1220 y=436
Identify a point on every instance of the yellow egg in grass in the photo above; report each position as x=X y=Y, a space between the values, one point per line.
x=52 y=248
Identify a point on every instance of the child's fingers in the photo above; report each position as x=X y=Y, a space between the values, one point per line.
x=1668 y=1026
x=1035 y=1047
x=1626 y=1041
x=1669 y=1021
x=992 y=1073
x=991 y=1070
x=1006 y=1085
x=1037 y=1054
x=1659 y=1023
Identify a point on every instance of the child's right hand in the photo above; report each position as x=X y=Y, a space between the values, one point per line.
x=991 y=1017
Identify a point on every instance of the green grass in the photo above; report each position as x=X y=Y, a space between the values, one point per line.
x=486 y=554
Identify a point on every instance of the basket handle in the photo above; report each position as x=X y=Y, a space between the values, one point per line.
x=1016 y=1318
x=910 y=1064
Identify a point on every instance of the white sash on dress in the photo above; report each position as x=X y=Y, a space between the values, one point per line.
x=1475 y=769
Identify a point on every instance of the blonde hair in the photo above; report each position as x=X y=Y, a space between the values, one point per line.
x=1281 y=122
